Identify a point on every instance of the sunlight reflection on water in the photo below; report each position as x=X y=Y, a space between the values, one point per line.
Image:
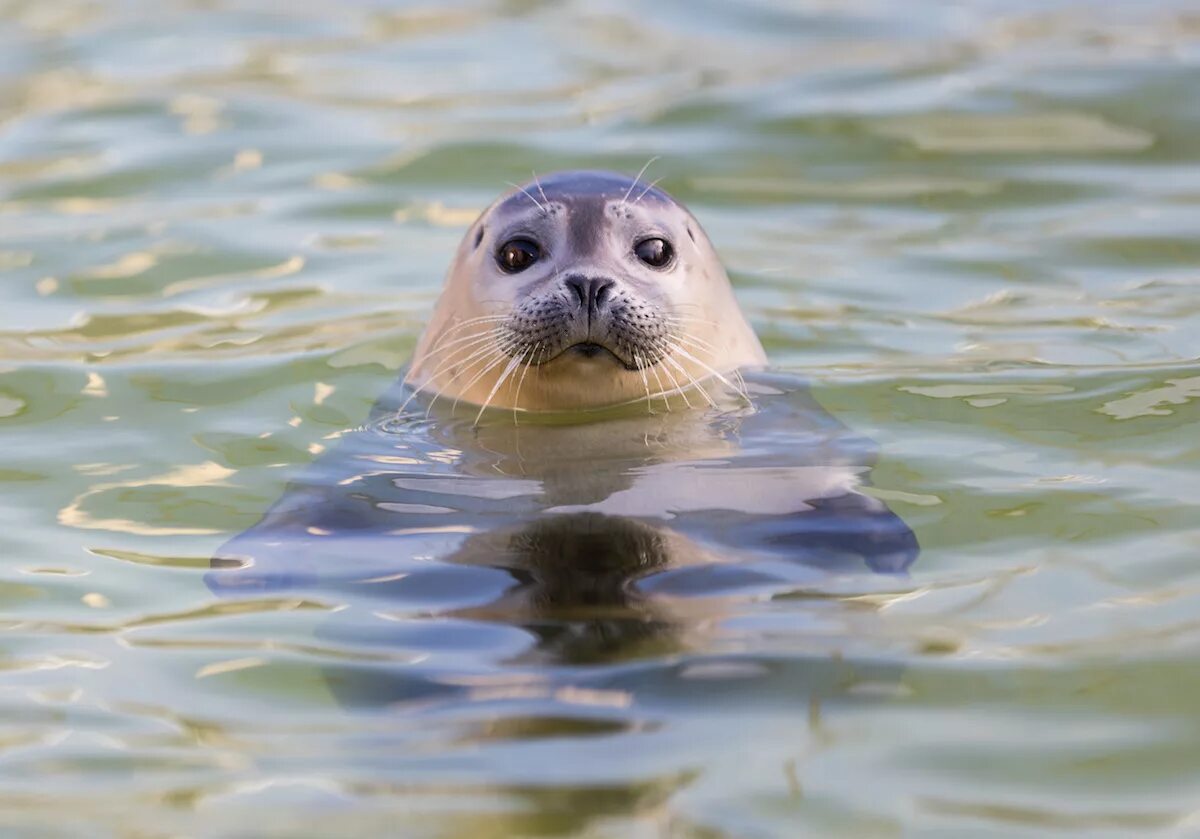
x=972 y=227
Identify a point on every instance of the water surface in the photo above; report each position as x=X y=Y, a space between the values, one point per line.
x=969 y=228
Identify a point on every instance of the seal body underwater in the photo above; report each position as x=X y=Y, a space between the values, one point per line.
x=642 y=450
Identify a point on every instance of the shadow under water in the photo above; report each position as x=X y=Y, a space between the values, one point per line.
x=618 y=540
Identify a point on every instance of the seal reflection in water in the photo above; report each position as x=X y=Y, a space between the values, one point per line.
x=622 y=463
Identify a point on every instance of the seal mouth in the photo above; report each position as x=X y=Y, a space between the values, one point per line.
x=589 y=349
x=627 y=331
x=592 y=349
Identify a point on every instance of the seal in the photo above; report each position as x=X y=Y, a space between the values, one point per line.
x=603 y=538
x=580 y=290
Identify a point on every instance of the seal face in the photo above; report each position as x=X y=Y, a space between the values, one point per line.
x=579 y=290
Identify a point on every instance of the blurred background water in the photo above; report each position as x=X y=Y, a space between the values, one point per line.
x=975 y=226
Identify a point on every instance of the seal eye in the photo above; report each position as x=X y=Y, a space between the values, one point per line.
x=516 y=255
x=657 y=253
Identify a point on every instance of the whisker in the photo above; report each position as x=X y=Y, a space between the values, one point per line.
x=480 y=357
x=442 y=389
x=692 y=379
x=661 y=390
x=683 y=329
x=486 y=361
x=697 y=342
x=481 y=346
x=487 y=367
x=724 y=380
x=539 y=186
x=450 y=331
x=673 y=307
x=480 y=319
x=645 y=380
x=678 y=388
x=472 y=351
x=512 y=365
x=459 y=345
x=458 y=324
x=495 y=332
x=688 y=319
x=521 y=381
x=696 y=382
x=685 y=341
x=637 y=178
x=653 y=184
x=539 y=204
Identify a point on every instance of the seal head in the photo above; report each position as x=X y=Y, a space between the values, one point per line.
x=581 y=290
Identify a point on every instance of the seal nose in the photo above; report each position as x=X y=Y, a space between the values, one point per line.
x=592 y=292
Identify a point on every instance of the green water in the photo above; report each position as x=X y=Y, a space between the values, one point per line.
x=974 y=226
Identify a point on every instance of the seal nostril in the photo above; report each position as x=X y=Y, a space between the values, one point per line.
x=579 y=285
x=592 y=293
x=603 y=289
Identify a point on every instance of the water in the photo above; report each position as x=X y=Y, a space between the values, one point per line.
x=970 y=228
